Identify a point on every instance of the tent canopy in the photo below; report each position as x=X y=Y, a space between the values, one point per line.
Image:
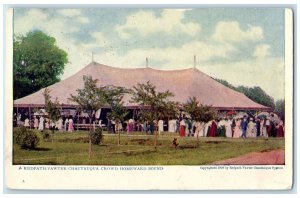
x=183 y=83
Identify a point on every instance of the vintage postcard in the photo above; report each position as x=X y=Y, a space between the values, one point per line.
x=149 y=98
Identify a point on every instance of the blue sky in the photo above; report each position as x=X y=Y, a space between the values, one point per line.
x=244 y=46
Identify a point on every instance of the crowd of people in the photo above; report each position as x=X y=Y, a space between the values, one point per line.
x=231 y=127
x=42 y=122
x=244 y=127
x=239 y=127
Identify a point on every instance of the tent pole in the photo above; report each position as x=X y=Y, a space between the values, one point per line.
x=29 y=118
x=17 y=115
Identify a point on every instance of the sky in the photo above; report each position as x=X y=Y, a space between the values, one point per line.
x=244 y=46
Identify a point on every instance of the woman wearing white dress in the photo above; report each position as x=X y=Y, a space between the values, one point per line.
x=41 y=124
x=59 y=124
x=251 y=132
x=172 y=126
x=237 y=129
x=263 y=128
x=26 y=123
x=36 y=123
x=228 y=128
x=160 y=126
x=199 y=129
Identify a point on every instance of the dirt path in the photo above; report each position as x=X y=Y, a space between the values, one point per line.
x=275 y=157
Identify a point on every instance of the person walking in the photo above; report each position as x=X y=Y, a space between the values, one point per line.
x=182 y=128
x=70 y=126
x=237 y=129
x=244 y=126
x=41 y=124
x=36 y=122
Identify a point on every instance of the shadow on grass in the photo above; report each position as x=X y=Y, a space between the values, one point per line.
x=37 y=163
x=215 y=142
x=187 y=147
x=37 y=149
x=134 y=153
x=74 y=140
x=42 y=149
x=142 y=141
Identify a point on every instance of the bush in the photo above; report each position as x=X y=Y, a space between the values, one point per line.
x=96 y=136
x=46 y=136
x=18 y=134
x=27 y=139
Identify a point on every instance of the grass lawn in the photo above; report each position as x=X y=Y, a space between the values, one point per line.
x=137 y=149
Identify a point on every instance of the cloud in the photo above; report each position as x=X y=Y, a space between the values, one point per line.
x=230 y=31
x=101 y=40
x=69 y=12
x=60 y=28
x=83 y=20
x=257 y=69
x=262 y=51
x=145 y=23
x=74 y=14
x=266 y=73
x=170 y=57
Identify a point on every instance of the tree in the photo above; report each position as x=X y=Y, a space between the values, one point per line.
x=114 y=96
x=255 y=93
x=198 y=112
x=258 y=95
x=280 y=108
x=151 y=101
x=52 y=108
x=191 y=107
x=90 y=99
x=37 y=62
x=170 y=110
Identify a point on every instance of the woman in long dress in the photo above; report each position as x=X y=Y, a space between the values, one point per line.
x=237 y=129
x=213 y=129
x=280 y=131
x=263 y=128
x=130 y=125
x=70 y=127
x=206 y=129
x=41 y=124
x=36 y=122
x=182 y=128
x=199 y=128
x=250 y=131
x=47 y=123
x=26 y=123
x=228 y=128
x=160 y=126
x=59 y=124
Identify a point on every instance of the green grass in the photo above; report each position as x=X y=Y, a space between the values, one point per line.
x=137 y=149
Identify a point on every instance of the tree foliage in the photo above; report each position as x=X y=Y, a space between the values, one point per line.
x=198 y=111
x=170 y=110
x=37 y=62
x=258 y=95
x=151 y=101
x=52 y=108
x=255 y=93
x=114 y=97
x=96 y=136
x=280 y=108
x=90 y=98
